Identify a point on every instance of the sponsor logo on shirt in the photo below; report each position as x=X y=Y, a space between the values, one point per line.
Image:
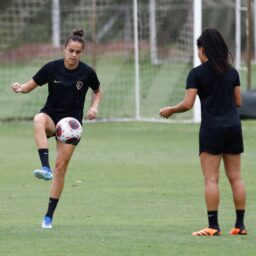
x=57 y=81
x=79 y=85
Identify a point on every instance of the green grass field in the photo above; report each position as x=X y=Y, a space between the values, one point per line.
x=132 y=189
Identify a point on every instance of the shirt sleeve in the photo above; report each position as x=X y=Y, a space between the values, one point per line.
x=192 y=82
x=237 y=78
x=41 y=76
x=93 y=81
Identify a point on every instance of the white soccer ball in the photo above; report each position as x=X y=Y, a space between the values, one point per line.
x=69 y=130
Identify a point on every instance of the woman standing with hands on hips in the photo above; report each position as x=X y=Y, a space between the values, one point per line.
x=68 y=81
x=217 y=84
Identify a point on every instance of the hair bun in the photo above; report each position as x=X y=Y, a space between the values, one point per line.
x=78 y=32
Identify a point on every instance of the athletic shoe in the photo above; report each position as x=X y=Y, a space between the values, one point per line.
x=44 y=173
x=47 y=222
x=207 y=232
x=238 y=231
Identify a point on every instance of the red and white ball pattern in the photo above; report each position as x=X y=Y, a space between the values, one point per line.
x=69 y=130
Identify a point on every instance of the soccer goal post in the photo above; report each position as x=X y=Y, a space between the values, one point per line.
x=56 y=23
x=193 y=23
x=136 y=60
x=145 y=50
x=197 y=9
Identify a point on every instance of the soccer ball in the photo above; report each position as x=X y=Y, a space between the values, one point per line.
x=69 y=130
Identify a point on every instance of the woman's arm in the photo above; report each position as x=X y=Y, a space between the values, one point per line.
x=24 y=88
x=93 y=110
x=238 y=98
x=183 y=106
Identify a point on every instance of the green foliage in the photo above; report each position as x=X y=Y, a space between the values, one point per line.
x=131 y=189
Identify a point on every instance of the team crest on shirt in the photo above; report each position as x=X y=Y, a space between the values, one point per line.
x=79 y=85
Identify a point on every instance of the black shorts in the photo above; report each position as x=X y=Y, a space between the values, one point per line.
x=57 y=117
x=221 y=141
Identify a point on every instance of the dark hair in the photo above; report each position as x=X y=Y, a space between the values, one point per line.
x=216 y=50
x=76 y=35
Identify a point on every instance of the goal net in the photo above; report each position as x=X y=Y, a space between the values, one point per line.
x=34 y=31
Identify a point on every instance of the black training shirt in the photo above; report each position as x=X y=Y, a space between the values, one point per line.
x=216 y=93
x=67 y=88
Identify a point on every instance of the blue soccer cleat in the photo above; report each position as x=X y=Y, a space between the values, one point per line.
x=47 y=222
x=44 y=173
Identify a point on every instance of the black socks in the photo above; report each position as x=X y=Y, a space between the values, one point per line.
x=213 y=219
x=51 y=207
x=240 y=219
x=44 y=156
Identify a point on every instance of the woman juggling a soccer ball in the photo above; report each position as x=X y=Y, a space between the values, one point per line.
x=217 y=84
x=68 y=81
